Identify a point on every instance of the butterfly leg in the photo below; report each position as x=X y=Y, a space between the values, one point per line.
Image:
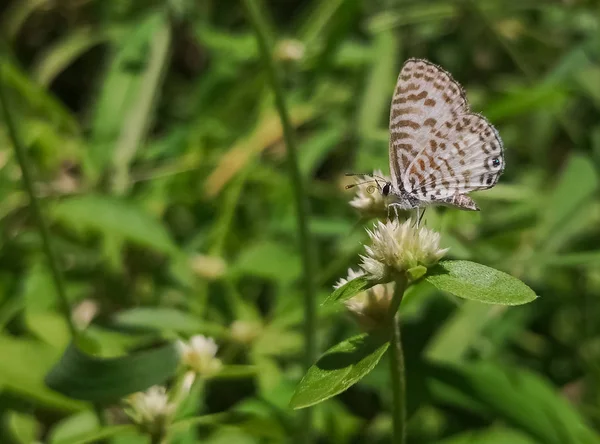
x=421 y=217
x=395 y=207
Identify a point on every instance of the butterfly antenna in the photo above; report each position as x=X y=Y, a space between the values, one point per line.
x=359 y=174
x=374 y=176
x=352 y=185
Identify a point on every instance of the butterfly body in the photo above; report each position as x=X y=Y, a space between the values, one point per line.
x=439 y=150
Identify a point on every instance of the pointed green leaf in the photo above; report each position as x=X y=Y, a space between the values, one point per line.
x=349 y=289
x=167 y=319
x=89 y=378
x=340 y=367
x=114 y=217
x=477 y=282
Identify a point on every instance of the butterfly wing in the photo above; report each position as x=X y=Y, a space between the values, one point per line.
x=467 y=157
x=424 y=95
x=438 y=149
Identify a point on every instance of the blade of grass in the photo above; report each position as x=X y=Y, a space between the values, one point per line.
x=139 y=116
x=255 y=16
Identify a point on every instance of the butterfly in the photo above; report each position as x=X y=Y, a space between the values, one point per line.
x=439 y=150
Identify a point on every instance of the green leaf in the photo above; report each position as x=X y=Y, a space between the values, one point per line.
x=235 y=372
x=349 y=289
x=477 y=282
x=460 y=331
x=340 y=367
x=98 y=435
x=497 y=435
x=23 y=428
x=71 y=427
x=82 y=376
x=23 y=366
x=141 y=112
x=527 y=99
x=567 y=206
x=66 y=50
x=132 y=81
x=268 y=260
x=167 y=319
x=116 y=217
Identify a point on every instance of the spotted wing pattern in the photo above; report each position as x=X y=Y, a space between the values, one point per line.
x=438 y=148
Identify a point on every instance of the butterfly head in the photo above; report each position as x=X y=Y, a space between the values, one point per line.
x=384 y=186
x=385 y=190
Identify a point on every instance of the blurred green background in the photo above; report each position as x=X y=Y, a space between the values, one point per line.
x=158 y=157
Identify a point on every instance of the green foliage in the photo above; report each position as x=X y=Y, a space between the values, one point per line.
x=350 y=289
x=477 y=282
x=114 y=217
x=157 y=156
x=339 y=368
x=514 y=395
x=89 y=378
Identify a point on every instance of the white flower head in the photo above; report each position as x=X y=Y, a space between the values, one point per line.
x=396 y=248
x=369 y=308
x=290 y=50
x=208 y=267
x=369 y=200
x=150 y=408
x=200 y=355
x=244 y=332
x=84 y=313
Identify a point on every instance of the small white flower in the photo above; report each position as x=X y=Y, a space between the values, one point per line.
x=244 y=332
x=84 y=313
x=208 y=267
x=368 y=199
x=396 y=248
x=150 y=408
x=200 y=355
x=369 y=308
x=290 y=50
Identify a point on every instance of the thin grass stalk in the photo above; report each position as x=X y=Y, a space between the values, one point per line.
x=47 y=246
x=302 y=211
x=37 y=212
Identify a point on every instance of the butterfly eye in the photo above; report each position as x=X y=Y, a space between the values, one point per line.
x=386 y=189
x=496 y=162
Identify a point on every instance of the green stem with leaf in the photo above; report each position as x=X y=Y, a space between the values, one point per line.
x=302 y=213
x=397 y=369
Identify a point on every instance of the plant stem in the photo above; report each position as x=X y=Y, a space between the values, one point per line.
x=37 y=212
x=302 y=212
x=397 y=370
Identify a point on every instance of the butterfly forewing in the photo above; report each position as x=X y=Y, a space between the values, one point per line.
x=439 y=149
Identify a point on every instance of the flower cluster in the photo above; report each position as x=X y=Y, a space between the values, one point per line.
x=200 y=355
x=150 y=409
x=397 y=247
x=369 y=308
x=368 y=200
